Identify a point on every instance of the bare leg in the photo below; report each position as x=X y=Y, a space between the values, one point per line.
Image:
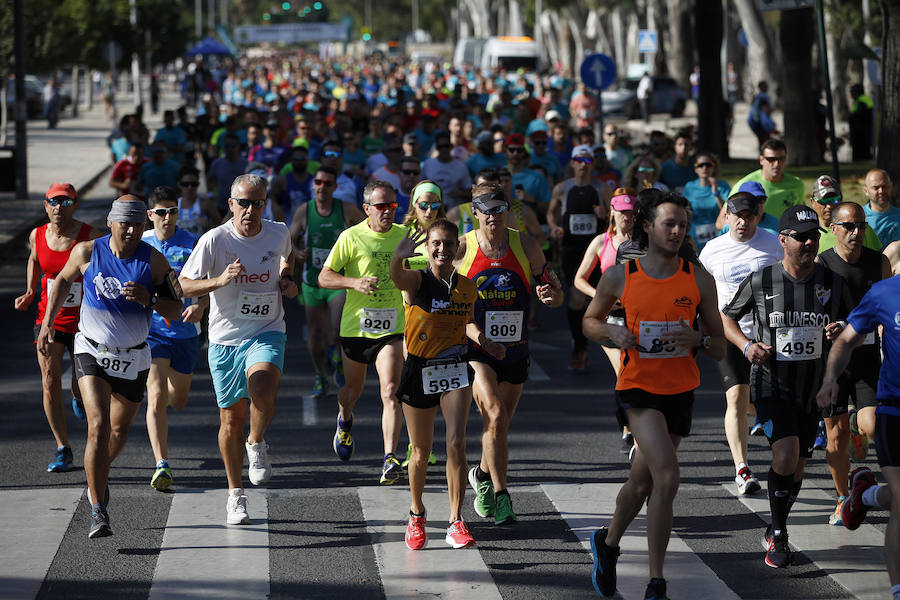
x=865 y=421
x=389 y=365
x=420 y=427
x=355 y=375
x=836 y=452
x=232 y=421
x=317 y=321
x=51 y=382
x=157 y=405
x=497 y=403
x=737 y=399
x=121 y=415
x=892 y=534
x=455 y=408
x=262 y=382
x=96 y=396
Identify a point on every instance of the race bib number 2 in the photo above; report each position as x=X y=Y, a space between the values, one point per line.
x=377 y=320
x=73 y=298
x=443 y=378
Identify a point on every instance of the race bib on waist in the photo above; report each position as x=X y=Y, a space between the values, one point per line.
x=318 y=256
x=74 y=297
x=583 y=224
x=798 y=343
x=503 y=325
x=651 y=343
x=444 y=377
x=115 y=362
x=257 y=306
x=377 y=320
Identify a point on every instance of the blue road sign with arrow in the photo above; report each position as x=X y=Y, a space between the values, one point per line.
x=598 y=71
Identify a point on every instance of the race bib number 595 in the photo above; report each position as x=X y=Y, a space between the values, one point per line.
x=443 y=378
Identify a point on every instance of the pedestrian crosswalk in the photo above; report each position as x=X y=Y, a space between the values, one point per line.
x=200 y=557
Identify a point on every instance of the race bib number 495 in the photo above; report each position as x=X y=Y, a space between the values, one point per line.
x=798 y=343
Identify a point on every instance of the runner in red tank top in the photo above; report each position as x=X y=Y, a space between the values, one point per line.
x=51 y=244
x=661 y=294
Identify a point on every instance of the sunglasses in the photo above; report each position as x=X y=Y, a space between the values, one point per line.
x=646 y=170
x=497 y=210
x=500 y=139
x=805 y=236
x=583 y=160
x=61 y=201
x=515 y=149
x=829 y=200
x=611 y=133
x=853 y=225
x=774 y=159
x=704 y=165
x=189 y=183
x=247 y=202
x=384 y=206
x=431 y=205
x=323 y=182
x=162 y=212
x=331 y=154
x=410 y=171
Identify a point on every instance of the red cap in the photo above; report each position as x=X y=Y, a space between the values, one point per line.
x=62 y=189
x=515 y=139
x=539 y=134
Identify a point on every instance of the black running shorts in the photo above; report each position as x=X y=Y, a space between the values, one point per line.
x=780 y=419
x=514 y=373
x=365 y=350
x=676 y=408
x=412 y=390
x=734 y=369
x=887 y=439
x=131 y=390
x=59 y=337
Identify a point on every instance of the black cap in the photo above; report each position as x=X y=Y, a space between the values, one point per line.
x=489 y=201
x=800 y=218
x=743 y=201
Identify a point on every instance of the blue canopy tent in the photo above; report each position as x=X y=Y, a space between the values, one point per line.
x=209 y=47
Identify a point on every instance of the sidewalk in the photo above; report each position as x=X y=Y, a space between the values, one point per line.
x=74 y=152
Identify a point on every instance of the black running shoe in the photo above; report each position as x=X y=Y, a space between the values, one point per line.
x=656 y=589
x=627 y=443
x=605 y=557
x=779 y=554
x=99 y=523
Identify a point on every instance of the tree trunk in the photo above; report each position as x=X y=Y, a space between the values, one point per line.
x=632 y=55
x=837 y=67
x=551 y=40
x=516 y=20
x=889 y=133
x=76 y=89
x=618 y=28
x=711 y=133
x=679 y=52
x=656 y=22
x=762 y=57
x=796 y=33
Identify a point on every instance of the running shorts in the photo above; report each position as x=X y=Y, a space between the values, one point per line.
x=59 y=337
x=734 y=369
x=181 y=352
x=513 y=373
x=229 y=365
x=317 y=296
x=676 y=408
x=365 y=350
x=412 y=390
x=887 y=436
x=780 y=419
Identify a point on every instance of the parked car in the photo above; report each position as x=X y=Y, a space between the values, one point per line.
x=668 y=97
x=34 y=99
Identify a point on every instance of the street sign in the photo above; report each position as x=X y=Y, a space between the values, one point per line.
x=291 y=33
x=598 y=71
x=647 y=41
x=764 y=5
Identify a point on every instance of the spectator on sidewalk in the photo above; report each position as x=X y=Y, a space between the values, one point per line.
x=50 y=96
x=860 y=123
x=125 y=171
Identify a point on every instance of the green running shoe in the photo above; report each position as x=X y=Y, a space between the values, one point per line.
x=320 y=387
x=503 y=512
x=162 y=478
x=484 y=495
x=432 y=459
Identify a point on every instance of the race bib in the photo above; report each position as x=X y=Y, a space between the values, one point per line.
x=318 y=257
x=118 y=363
x=583 y=224
x=257 y=306
x=651 y=343
x=798 y=343
x=74 y=297
x=704 y=233
x=503 y=326
x=443 y=378
x=377 y=320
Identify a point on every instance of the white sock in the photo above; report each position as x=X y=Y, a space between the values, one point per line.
x=236 y=492
x=870 y=496
x=738 y=468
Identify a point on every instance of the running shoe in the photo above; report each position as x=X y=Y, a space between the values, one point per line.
x=631 y=453
x=858 y=446
x=343 y=441
x=458 y=535
x=415 y=532
x=779 y=553
x=432 y=459
x=236 y=508
x=99 y=523
x=605 y=557
x=627 y=443
x=162 y=478
x=836 y=518
x=62 y=462
x=757 y=429
x=257 y=457
x=853 y=511
x=746 y=482
x=78 y=408
x=338 y=363
x=484 y=495
x=390 y=470
x=767 y=537
x=503 y=510
x=656 y=589
x=320 y=387
x=821 y=438
x=576 y=364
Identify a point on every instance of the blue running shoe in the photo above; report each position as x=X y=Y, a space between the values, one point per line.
x=604 y=575
x=78 y=408
x=821 y=438
x=62 y=462
x=320 y=387
x=343 y=441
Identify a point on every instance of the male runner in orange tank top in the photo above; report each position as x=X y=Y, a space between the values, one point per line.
x=662 y=294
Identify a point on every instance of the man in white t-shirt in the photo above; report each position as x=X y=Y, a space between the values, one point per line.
x=245 y=266
x=730 y=258
x=449 y=173
x=644 y=92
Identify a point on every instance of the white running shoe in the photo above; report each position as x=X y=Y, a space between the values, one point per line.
x=236 y=508
x=746 y=482
x=260 y=470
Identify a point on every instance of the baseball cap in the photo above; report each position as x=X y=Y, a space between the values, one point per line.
x=538 y=134
x=515 y=139
x=800 y=218
x=552 y=114
x=271 y=124
x=484 y=137
x=61 y=189
x=743 y=201
x=753 y=188
x=489 y=201
x=825 y=186
x=622 y=202
x=582 y=150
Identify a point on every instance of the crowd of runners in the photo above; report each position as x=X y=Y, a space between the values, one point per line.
x=421 y=215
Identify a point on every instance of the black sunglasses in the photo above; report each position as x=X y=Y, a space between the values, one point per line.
x=410 y=171
x=803 y=237
x=247 y=202
x=853 y=225
x=189 y=183
x=64 y=201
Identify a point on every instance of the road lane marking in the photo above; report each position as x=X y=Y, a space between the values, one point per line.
x=232 y=561
x=854 y=559
x=586 y=506
x=435 y=571
x=309 y=411
x=29 y=547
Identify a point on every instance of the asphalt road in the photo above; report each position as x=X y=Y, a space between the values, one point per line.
x=322 y=540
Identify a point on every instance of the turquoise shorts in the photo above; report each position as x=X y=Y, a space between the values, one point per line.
x=228 y=365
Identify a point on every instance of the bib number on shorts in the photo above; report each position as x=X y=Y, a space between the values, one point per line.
x=650 y=339
x=704 y=233
x=583 y=224
x=257 y=306
x=798 y=343
x=318 y=257
x=74 y=296
x=503 y=326
x=120 y=364
x=377 y=320
x=437 y=379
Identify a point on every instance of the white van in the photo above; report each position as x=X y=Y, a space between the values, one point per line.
x=511 y=52
x=468 y=52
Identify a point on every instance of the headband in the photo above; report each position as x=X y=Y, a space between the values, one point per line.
x=127 y=211
x=424 y=188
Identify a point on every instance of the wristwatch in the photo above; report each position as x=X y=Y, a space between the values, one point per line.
x=154 y=298
x=705 y=342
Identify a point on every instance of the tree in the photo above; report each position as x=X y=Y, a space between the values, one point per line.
x=762 y=63
x=796 y=34
x=888 y=149
x=712 y=106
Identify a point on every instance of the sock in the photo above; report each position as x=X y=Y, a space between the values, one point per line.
x=738 y=468
x=779 y=497
x=499 y=493
x=870 y=496
x=481 y=475
x=345 y=425
x=96 y=506
x=576 y=328
x=420 y=515
x=795 y=491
